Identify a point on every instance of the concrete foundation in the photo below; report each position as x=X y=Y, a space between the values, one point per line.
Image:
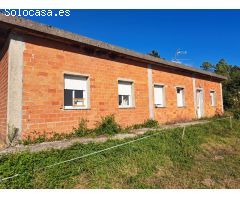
x=15 y=86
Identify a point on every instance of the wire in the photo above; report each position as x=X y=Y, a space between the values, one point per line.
x=83 y=156
x=96 y=152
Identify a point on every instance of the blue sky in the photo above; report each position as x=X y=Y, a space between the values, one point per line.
x=207 y=35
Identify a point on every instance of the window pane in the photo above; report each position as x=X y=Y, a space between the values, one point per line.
x=125 y=100
x=180 y=97
x=78 y=93
x=75 y=93
x=212 y=95
x=158 y=95
x=68 y=97
x=120 y=100
x=125 y=93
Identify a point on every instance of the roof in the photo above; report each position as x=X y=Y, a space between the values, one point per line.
x=8 y=23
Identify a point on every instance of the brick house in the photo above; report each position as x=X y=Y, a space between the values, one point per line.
x=50 y=79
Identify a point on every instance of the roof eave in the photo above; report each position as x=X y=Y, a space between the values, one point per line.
x=54 y=32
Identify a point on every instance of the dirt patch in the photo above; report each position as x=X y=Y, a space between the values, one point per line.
x=232 y=183
x=162 y=175
x=218 y=149
x=82 y=181
x=208 y=182
x=218 y=158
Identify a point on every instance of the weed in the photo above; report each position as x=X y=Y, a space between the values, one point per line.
x=82 y=129
x=107 y=125
x=45 y=137
x=150 y=123
x=162 y=161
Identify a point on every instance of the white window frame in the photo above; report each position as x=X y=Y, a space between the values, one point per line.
x=131 y=96
x=213 y=98
x=183 y=96
x=163 y=96
x=86 y=94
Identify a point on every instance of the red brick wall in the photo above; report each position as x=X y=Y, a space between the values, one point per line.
x=43 y=88
x=46 y=62
x=207 y=87
x=171 y=113
x=3 y=94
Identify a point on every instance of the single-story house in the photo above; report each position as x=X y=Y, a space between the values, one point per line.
x=50 y=79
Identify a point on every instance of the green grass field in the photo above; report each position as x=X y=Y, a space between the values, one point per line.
x=208 y=156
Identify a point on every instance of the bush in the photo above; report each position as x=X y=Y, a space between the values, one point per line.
x=107 y=125
x=82 y=129
x=137 y=126
x=150 y=123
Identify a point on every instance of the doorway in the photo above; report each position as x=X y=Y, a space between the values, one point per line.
x=199 y=103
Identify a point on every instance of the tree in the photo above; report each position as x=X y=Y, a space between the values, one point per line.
x=207 y=66
x=154 y=53
x=231 y=86
x=223 y=68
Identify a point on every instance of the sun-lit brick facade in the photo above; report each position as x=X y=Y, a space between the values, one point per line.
x=172 y=79
x=45 y=64
x=3 y=93
x=37 y=93
x=43 y=83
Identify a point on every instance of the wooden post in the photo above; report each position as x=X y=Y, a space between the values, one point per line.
x=231 y=125
x=184 y=128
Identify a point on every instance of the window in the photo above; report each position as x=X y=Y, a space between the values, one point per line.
x=75 y=92
x=213 y=98
x=180 y=97
x=125 y=97
x=159 y=99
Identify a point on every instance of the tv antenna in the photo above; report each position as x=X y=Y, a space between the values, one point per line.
x=178 y=53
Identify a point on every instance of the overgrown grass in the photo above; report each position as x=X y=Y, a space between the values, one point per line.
x=82 y=129
x=207 y=156
x=106 y=126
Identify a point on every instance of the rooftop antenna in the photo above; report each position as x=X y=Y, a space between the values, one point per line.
x=176 y=58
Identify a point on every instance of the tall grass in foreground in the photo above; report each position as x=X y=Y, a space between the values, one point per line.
x=167 y=160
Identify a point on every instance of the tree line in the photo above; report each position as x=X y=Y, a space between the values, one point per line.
x=231 y=86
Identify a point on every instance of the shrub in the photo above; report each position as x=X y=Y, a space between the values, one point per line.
x=39 y=138
x=150 y=123
x=107 y=125
x=137 y=126
x=26 y=141
x=82 y=129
